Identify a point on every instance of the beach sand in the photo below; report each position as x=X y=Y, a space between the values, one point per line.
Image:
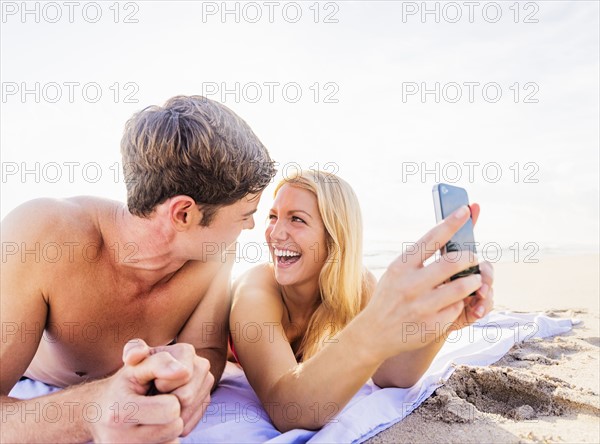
x=543 y=390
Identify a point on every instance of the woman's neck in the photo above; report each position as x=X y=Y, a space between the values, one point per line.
x=301 y=301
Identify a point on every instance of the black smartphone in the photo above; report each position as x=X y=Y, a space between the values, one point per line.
x=447 y=199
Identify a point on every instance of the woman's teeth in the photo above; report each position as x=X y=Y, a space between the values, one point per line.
x=286 y=257
x=285 y=253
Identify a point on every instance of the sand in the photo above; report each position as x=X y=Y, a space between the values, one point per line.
x=543 y=390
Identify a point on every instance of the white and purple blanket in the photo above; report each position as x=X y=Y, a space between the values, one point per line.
x=235 y=414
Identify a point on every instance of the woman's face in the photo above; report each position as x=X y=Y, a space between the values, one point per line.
x=296 y=236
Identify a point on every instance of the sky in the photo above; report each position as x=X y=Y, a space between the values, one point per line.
x=501 y=98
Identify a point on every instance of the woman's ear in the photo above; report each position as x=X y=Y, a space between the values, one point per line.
x=184 y=213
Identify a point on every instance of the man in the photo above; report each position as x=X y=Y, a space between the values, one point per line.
x=83 y=277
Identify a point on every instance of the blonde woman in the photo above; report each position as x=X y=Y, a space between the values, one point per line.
x=326 y=325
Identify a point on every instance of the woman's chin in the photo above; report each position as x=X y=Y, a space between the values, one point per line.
x=286 y=274
x=284 y=278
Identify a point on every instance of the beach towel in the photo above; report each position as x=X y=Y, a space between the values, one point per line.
x=235 y=414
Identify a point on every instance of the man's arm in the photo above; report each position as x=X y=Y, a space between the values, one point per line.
x=104 y=410
x=201 y=345
x=23 y=316
x=23 y=312
x=35 y=420
x=207 y=329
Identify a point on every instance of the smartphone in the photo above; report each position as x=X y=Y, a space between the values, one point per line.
x=447 y=199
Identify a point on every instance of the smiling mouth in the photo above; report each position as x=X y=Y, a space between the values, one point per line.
x=286 y=257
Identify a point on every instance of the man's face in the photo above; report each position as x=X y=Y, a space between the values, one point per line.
x=228 y=223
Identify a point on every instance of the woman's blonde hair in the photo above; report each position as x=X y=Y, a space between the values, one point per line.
x=343 y=279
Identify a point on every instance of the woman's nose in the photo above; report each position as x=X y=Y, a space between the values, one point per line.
x=278 y=231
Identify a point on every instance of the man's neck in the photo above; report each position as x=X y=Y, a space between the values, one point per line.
x=145 y=248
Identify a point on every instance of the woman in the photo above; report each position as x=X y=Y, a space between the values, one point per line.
x=325 y=325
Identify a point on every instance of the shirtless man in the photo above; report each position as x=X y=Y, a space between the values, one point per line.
x=83 y=277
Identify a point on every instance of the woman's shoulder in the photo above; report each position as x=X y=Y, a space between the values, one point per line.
x=369 y=284
x=257 y=286
x=258 y=277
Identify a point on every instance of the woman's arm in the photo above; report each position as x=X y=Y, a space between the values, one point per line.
x=305 y=395
x=405 y=369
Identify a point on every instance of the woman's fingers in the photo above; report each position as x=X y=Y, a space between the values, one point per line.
x=446 y=266
x=475 y=210
x=487 y=273
x=434 y=239
x=451 y=293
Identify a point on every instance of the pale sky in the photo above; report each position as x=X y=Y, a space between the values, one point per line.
x=360 y=71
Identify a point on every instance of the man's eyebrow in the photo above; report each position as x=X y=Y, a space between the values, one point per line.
x=250 y=213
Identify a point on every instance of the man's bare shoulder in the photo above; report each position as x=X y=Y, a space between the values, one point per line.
x=44 y=235
x=49 y=220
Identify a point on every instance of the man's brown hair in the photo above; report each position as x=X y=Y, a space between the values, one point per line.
x=192 y=146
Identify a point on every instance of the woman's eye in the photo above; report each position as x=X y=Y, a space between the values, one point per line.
x=272 y=216
x=296 y=219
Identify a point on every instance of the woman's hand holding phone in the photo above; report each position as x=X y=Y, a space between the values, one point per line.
x=483 y=301
x=414 y=305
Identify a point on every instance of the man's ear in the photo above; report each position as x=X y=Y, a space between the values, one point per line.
x=184 y=213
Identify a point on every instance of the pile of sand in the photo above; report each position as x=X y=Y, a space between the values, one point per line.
x=543 y=390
